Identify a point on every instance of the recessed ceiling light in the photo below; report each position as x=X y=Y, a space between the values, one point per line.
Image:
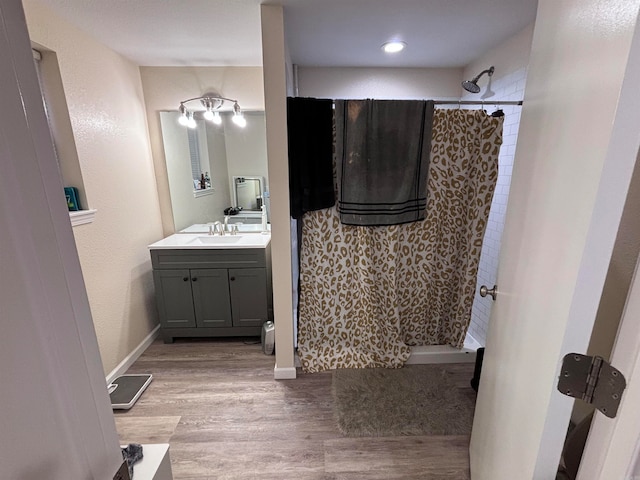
x=393 y=47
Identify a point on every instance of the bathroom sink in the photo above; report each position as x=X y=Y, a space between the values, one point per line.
x=250 y=227
x=190 y=241
x=216 y=240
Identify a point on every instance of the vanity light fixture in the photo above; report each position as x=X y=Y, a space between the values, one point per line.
x=212 y=104
x=393 y=47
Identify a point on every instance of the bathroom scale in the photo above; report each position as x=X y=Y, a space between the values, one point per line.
x=126 y=389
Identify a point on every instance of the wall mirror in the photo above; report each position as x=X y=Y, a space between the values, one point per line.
x=248 y=193
x=222 y=153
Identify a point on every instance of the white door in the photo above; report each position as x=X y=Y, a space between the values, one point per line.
x=53 y=393
x=573 y=163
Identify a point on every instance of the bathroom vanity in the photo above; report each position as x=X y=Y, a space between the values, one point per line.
x=211 y=285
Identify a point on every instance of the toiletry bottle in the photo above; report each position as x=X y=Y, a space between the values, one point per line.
x=202 y=182
x=207 y=180
x=265 y=228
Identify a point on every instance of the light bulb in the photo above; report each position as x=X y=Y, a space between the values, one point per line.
x=208 y=115
x=191 y=122
x=239 y=120
x=217 y=119
x=393 y=47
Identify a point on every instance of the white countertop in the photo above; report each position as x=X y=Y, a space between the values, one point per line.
x=191 y=241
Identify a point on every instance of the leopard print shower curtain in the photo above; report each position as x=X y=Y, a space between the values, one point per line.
x=367 y=294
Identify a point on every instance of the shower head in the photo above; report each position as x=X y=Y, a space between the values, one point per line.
x=472 y=85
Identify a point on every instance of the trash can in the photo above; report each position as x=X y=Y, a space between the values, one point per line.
x=268 y=338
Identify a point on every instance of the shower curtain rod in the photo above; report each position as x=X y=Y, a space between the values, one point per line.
x=475 y=102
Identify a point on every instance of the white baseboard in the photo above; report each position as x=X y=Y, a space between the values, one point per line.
x=284 y=373
x=129 y=360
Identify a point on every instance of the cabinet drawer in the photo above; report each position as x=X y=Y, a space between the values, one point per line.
x=207 y=258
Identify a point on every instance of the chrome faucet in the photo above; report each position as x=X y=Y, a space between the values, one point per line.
x=220 y=228
x=226 y=223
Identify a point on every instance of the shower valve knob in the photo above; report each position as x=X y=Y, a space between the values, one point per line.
x=484 y=291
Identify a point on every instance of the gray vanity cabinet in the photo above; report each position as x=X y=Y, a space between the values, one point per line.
x=211 y=293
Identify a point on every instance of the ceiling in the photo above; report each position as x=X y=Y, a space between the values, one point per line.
x=439 y=33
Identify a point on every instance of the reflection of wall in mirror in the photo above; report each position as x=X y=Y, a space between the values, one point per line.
x=188 y=210
x=247 y=148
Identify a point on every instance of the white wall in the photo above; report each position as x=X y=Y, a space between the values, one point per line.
x=510 y=60
x=56 y=419
x=379 y=83
x=275 y=88
x=164 y=89
x=106 y=109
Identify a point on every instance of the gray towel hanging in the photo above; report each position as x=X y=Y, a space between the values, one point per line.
x=382 y=160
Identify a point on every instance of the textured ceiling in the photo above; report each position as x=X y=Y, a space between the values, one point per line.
x=439 y=33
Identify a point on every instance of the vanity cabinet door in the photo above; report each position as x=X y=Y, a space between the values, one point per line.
x=248 y=287
x=173 y=295
x=211 y=297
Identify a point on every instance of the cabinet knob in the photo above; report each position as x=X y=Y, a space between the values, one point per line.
x=185 y=279
x=194 y=279
x=232 y=278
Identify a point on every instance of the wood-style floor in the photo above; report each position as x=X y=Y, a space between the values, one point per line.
x=216 y=403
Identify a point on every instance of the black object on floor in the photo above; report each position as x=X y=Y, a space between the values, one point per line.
x=126 y=389
x=475 y=381
x=132 y=453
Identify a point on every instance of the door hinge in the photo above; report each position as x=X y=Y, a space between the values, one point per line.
x=593 y=380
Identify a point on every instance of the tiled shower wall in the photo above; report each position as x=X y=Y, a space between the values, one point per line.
x=508 y=87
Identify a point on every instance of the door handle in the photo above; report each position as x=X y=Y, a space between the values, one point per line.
x=484 y=291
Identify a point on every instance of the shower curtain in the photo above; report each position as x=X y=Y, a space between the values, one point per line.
x=367 y=294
